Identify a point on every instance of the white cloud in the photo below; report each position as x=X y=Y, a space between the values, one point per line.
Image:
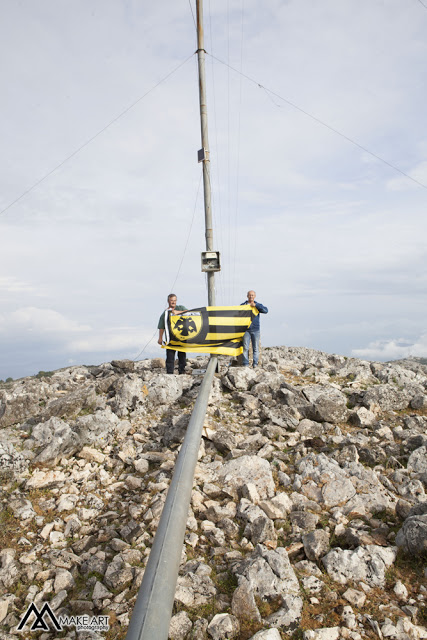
x=393 y=349
x=32 y=339
x=11 y=284
x=70 y=335
x=113 y=339
x=38 y=322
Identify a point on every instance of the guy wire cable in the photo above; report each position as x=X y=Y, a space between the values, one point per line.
x=85 y=144
x=182 y=259
x=216 y=169
x=236 y=217
x=192 y=13
x=324 y=124
x=228 y=178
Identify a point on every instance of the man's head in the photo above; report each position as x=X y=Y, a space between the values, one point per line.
x=251 y=296
x=172 y=300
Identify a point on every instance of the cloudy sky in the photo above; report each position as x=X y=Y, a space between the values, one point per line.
x=319 y=173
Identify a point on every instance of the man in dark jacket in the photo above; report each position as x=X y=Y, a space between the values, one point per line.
x=253 y=334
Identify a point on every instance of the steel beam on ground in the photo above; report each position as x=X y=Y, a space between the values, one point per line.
x=153 y=608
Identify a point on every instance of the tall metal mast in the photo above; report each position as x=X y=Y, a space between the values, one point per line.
x=153 y=607
x=210 y=260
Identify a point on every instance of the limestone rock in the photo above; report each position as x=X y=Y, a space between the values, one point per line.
x=70 y=404
x=316 y=544
x=289 y=615
x=241 y=378
x=387 y=397
x=248 y=469
x=52 y=439
x=199 y=630
x=262 y=530
x=405 y=628
x=63 y=580
x=327 y=404
x=267 y=634
x=22 y=508
x=12 y=462
x=223 y=440
x=20 y=403
x=328 y=633
x=125 y=366
x=354 y=597
x=303 y=521
x=278 y=507
x=364 y=564
x=195 y=589
x=362 y=417
x=337 y=491
x=269 y=573
x=9 y=572
x=164 y=389
x=180 y=626
x=312 y=584
x=419 y=401
x=4 y=606
x=243 y=604
x=43 y=479
x=310 y=428
x=130 y=394
x=98 y=429
x=92 y=455
x=223 y=626
x=417 y=461
x=400 y=590
x=412 y=537
x=100 y=592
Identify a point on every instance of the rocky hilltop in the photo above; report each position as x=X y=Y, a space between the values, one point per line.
x=308 y=516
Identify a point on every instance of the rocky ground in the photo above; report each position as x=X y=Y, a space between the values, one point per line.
x=308 y=516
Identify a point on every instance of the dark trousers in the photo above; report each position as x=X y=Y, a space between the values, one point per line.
x=170 y=361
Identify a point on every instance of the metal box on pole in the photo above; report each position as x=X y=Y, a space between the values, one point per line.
x=211 y=261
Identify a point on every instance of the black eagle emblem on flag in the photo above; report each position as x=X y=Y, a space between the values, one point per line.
x=186 y=327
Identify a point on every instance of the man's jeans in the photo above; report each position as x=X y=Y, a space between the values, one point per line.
x=251 y=336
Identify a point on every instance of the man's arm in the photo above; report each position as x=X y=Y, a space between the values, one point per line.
x=161 y=327
x=178 y=313
x=260 y=307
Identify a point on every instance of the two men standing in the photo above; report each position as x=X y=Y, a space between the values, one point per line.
x=253 y=334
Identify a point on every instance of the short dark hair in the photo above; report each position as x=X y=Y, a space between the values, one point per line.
x=172 y=295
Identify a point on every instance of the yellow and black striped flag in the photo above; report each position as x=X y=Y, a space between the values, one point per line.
x=216 y=330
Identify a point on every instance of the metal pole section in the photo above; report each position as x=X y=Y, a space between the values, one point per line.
x=205 y=145
x=153 y=608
